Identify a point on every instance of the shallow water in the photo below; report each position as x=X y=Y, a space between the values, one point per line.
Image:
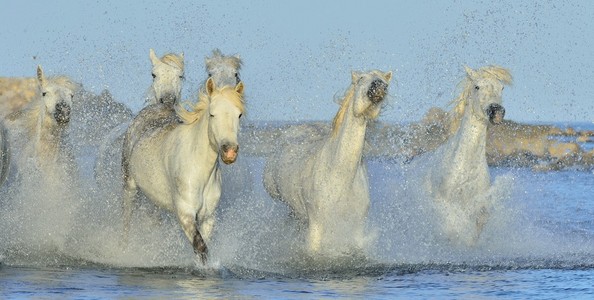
x=539 y=243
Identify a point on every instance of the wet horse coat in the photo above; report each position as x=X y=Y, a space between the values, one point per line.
x=167 y=80
x=456 y=175
x=37 y=132
x=174 y=160
x=324 y=181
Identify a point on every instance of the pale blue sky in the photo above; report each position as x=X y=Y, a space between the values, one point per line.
x=298 y=55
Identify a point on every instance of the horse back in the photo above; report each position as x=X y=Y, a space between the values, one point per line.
x=150 y=121
x=288 y=174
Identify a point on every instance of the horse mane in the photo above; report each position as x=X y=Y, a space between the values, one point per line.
x=218 y=58
x=490 y=72
x=344 y=104
x=63 y=81
x=173 y=60
x=31 y=114
x=196 y=111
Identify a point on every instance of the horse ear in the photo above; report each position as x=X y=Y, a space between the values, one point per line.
x=154 y=59
x=355 y=76
x=239 y=88
x=40 y=76
x=210 y=86
x=388 y=76
x=471 y=73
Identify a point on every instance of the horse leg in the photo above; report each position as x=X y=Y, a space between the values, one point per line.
x=200 y=246
x=128 y=201
x=481 y=221
x=206 y=226
x=188 y=222
x=314 y=238
x=269 y=181
x=358 y=235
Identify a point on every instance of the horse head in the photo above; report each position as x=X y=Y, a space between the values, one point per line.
x=57 y=94
x=225 y=109
x=484 y=88
x=370 y=90
x=168 y=74
x=224 y=70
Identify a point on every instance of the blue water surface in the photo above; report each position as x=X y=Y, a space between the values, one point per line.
x=539 y=245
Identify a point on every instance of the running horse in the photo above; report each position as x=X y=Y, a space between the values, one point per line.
x=174 y=161
x=324 y=180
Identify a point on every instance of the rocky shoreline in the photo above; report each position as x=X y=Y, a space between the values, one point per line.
x=511 y=144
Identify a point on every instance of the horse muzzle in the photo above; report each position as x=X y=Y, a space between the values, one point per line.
x=377 y=91
x=168 y=99
x=496 y=113
x=62 y=113
x=229 y=153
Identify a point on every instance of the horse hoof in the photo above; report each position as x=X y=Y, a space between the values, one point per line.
x=201 y=250
x=203 y=258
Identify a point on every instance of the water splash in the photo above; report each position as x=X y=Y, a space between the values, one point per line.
x=72 y=221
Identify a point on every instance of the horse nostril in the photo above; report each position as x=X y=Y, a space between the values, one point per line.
x=228 y=147
x=494 y=107
x=229 y=153
x=168 y=99
x=377 y=91
x=62 y=113
x=496 y=113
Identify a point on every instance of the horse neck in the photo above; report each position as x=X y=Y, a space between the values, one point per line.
x=45 y=134
x=346 y=146
x=468 y=145
x=198 y=142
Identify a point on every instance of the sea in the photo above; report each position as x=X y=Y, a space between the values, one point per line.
x=62 y=239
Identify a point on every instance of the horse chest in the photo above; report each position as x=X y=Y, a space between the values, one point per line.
x=459 y=183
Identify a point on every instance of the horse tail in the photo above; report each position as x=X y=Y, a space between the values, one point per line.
x=4 y=155
x=104 y=165
x=125 y=159
x=269 y=181
x=39 y=126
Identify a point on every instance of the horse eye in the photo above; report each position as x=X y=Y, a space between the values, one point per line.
x=181 y=77
x=237 y=77
x=43 y=94
x=240 y=115
x=154 y=76
x=209 y=75
x=476 y=87
x=211 y=115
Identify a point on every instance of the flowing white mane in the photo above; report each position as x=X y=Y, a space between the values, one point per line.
x=344 y=104
x=196 y=111
x=490 y=72
x=218 y=59
x=34 y=112
x=173 y=60
x=349 y=95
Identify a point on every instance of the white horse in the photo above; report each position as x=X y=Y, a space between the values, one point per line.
x=164 y=92
x=456 y=175
x=37 y=132
x=175 y=163
x=168 y=76
x=224 y=70
x=324 y=181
